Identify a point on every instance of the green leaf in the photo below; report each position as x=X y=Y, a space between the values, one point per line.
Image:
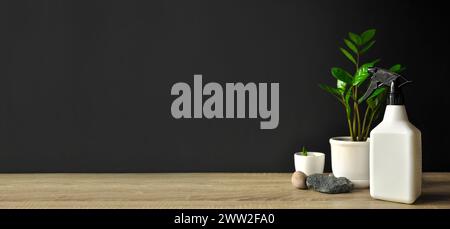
x=377 y=92
x=341 y=86
x=397 y=68
x=376 y=102
x=367 y=36
x=362 y=73
x=304 y=151
x=374 y=95
x=355 y=38
x=333 y=91
x=348 y=55
x=351 y=46
x=342 y=75
x=375 y=61
x=371 y=103
x=367 y=47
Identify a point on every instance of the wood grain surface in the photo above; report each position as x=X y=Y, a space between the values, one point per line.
x=193 y=190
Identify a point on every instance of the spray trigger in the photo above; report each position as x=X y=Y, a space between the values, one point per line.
x=382 y=77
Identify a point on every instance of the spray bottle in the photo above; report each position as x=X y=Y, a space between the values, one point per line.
x=395 y=145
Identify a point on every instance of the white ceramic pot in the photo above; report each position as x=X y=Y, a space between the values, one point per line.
x=351 y=160
x=311 y=164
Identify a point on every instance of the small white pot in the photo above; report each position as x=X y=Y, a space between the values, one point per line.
x=351 y=160
x=311 y=164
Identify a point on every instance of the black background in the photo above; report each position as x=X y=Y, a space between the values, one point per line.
x=85 y=85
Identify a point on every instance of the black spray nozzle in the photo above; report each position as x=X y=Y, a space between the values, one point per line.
x=382 y=77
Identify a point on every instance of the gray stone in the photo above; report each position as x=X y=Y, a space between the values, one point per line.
x=329 y=184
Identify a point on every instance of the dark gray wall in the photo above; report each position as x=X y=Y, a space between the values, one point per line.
x=85 y=85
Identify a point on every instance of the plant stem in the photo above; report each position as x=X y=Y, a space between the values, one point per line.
x=354 y=137
x=370 y=124
x=353 y=134
x=350 y=126
x=358 y=118
x=356 y=115
x=364 y=124
x=355 y=122
x=347 y=116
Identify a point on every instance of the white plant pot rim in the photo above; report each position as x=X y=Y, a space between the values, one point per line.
x=310 y=154
x=311 y=164
x=346 y=140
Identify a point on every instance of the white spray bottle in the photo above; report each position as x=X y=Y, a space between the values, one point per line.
x=395 y=145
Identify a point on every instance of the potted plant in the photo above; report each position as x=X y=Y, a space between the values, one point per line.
x=350 y=154
x=309 y=162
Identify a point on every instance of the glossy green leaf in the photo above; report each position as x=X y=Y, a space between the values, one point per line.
x=342 y=75
x=355 y=38
x=397 y=68
x=348 y=55
x=367 y=36
x=351 y=46
x=362 y=73
x=341 y=86
x=367 y=47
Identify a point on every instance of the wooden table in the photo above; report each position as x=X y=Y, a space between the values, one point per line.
x=193 y=190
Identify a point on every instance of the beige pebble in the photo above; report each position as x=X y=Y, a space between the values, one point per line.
x=298 y=180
